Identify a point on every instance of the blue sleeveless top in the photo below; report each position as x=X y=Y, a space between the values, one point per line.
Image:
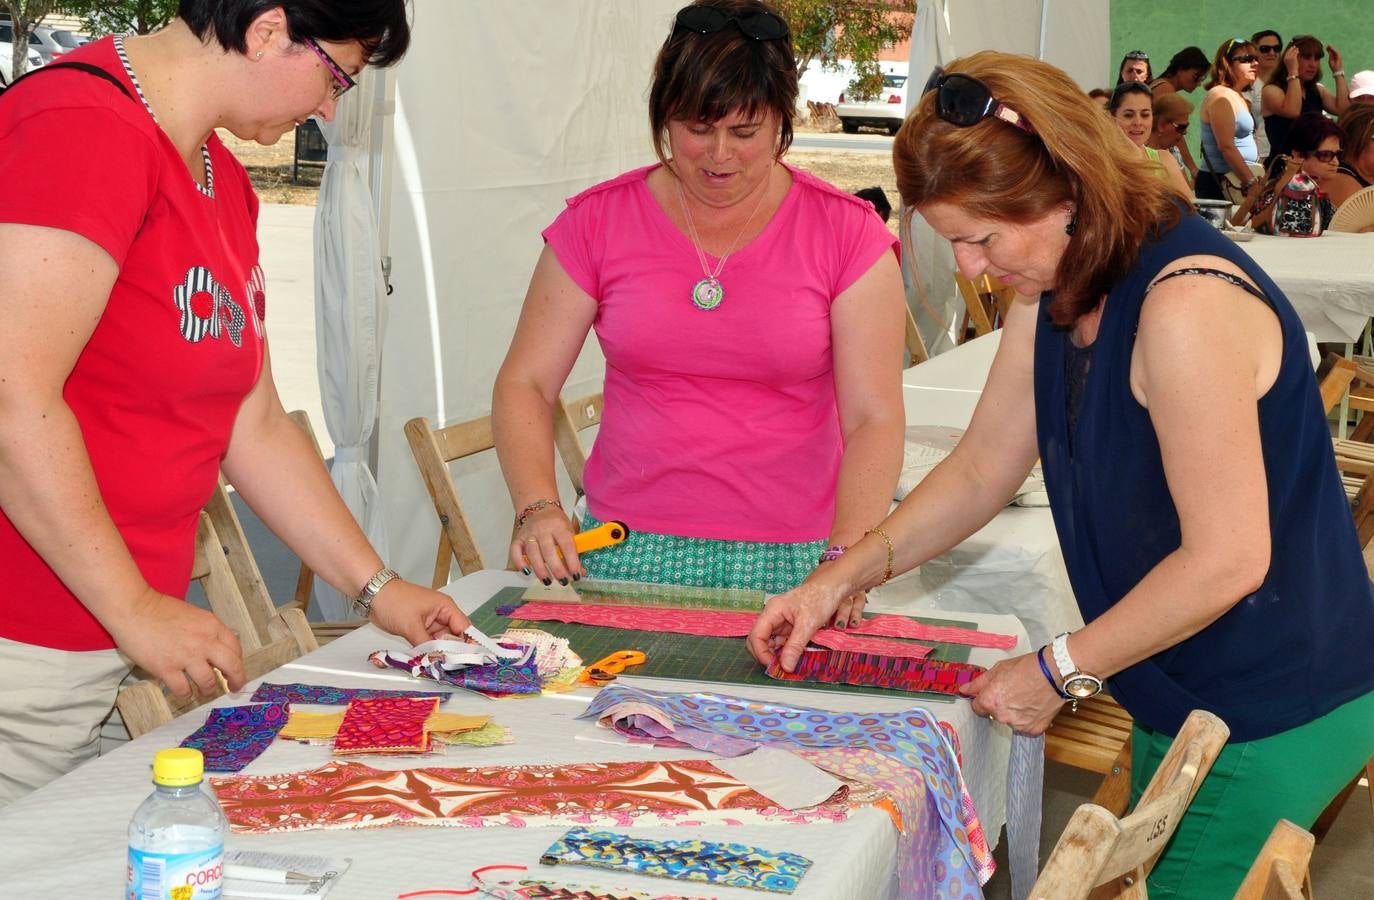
x=1213 y=161
x=1293 y=650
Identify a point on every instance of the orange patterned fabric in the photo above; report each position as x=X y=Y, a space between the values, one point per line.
x=386 y=725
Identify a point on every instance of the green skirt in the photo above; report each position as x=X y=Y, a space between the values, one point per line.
x=702 y=562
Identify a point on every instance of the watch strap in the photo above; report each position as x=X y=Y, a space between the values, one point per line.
x=363 y=602
x=1060 y=648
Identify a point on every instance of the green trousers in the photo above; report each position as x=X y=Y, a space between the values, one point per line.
x=1291 y=775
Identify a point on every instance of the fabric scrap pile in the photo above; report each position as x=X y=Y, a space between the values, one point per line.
x=519 y=663
x=908 y=755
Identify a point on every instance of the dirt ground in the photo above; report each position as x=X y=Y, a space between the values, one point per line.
x=270 y=170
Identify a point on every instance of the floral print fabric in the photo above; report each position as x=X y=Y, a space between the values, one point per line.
x=234 y=736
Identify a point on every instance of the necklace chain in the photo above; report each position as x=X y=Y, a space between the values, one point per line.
x=696 y=240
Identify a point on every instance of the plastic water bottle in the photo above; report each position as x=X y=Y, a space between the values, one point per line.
x=176 y=837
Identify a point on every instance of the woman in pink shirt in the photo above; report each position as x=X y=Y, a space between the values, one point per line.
x=751 y=319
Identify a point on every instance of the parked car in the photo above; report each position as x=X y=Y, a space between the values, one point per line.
x=885 y=111
x=7 y=55
x=52 y=42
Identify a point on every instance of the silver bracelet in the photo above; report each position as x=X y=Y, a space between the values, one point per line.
x=363 y=602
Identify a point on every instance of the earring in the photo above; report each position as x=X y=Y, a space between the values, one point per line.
x=259 y=54
x=1072 y=227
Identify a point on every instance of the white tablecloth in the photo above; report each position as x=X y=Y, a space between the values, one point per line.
x=69 y=839
x=1329 y=280
x=1013 y=564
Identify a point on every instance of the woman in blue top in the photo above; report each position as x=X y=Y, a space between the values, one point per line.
x=1163 y=380
x=1228 y=128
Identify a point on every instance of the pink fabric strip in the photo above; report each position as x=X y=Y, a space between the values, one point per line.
x=729 y=623
x=834 y=639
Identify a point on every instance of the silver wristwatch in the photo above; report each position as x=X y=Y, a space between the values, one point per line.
x=1077 y=684
x=363 y=602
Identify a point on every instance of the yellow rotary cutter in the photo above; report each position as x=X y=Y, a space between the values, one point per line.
x=607 y=535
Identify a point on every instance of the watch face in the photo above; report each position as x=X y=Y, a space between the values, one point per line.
x=1082 y=686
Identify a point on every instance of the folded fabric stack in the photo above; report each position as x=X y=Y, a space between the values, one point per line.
x=519 y=663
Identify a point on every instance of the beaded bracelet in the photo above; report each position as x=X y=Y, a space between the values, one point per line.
x=832 y=553
x=891 y=554
x=534 y=508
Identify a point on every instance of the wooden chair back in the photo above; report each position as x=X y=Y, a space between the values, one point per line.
x=146 y=704
x=434 y=448
x=1096 y=738
x=915 y=344
x=986 y=301
x=1280 y=872
x=1100 y=855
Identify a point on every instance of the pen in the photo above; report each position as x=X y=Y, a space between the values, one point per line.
x=273 y=876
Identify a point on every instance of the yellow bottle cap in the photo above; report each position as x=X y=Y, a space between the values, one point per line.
x=178 y=767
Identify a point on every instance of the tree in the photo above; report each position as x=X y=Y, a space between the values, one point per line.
x=24 y=14
x=102 y=17
x=827 y=31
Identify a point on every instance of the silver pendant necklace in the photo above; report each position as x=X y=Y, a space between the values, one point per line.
x=708 y=293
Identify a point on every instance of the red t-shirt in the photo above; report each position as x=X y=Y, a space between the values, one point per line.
x=179 y=344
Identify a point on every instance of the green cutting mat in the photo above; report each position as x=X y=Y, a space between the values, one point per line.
x=687 y=656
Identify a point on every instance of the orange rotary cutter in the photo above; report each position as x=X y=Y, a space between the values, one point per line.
x=607 y=535
x=604 y=671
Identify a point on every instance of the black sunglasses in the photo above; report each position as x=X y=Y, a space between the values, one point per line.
x=1138 y=54
x=761 y=26
x=1244 y=58
x=1181 y=127
x=964 y=100
x=1267 y=48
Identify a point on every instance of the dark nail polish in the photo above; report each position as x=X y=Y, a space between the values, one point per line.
x=525 y=571
x=548 y=581
x=576 y=577
x=563 y=581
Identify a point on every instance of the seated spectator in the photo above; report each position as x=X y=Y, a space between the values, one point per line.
x=1135 y=66
x=1100 y=96
x=1295 y=89
x=1362 y=88
x=1185 y=72
x=1172 y=112
x=1314 y=150
x=1356 y=170
x=1132 y=106
x=878 y=197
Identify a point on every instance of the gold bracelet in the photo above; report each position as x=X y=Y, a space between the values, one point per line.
x=891 y=555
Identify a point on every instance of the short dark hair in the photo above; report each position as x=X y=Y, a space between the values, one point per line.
x=1255 y=38
x=1129 y=87
x=1187 y=58
x=705 y=77
x=878 y=197
x=379 y=25
x=1310 y=130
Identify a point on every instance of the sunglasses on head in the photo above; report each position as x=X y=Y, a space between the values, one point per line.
x=1244 y=58
x=964 y=100
x=761 y=25
x=1138 y=54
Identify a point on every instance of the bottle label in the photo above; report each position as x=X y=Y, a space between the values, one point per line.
x=175 y=876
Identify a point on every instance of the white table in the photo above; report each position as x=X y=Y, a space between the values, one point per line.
x=1329 y=280
x=69 y=839
x=1011 y=565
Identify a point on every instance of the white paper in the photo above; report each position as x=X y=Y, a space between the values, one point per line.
x=329 y=869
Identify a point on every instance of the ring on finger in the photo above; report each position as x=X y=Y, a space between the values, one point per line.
x=531 y=540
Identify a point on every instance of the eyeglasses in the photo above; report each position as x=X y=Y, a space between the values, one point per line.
x=1325 y=156
x=1180 y=127
x=1267 y=48
x=1138 y=54
x=964 y=100
x=761 y=26
x=342 y=82
x=1244 y=58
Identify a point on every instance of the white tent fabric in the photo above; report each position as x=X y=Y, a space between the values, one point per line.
x=348 y=288
x=1072 y=34
x=502 y=111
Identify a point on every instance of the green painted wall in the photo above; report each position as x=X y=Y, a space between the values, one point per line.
x=1163 y=27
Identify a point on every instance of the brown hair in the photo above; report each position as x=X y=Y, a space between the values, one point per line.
x=992 y=170
x=1309 y=47
x=1357 y=124
x=1170 y=106
x=1221 y=63
x=705 y=77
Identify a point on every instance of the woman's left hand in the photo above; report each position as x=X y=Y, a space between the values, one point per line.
x=416 y=613
x=850 y=612
x=1337 y=64
x=1015 y=692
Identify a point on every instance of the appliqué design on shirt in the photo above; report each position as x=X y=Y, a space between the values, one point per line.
x=207 y=308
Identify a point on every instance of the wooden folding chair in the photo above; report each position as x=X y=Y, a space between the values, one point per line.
x=1101 y=855
x=1097 y=738
x=986 y=302
x=915 y=344
x=434 y=448
x=1280 y=872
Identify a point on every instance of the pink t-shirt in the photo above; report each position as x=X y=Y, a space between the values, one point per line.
x=722 y=423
